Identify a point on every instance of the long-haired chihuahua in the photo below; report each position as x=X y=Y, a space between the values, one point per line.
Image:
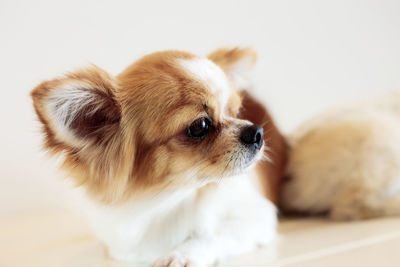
x=166 y=152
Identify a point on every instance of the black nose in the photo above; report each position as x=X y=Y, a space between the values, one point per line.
x=252 y=136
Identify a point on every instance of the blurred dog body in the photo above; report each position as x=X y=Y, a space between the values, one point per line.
x=347 y=162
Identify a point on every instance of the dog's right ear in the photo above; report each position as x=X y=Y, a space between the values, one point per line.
x=237 y=63
x=78 y=109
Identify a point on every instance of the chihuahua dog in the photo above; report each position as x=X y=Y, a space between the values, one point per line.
x=165 y=152
x=347 y=162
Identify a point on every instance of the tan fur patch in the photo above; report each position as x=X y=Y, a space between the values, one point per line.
x=128 y=138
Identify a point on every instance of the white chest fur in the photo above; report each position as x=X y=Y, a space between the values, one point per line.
x=142 y=231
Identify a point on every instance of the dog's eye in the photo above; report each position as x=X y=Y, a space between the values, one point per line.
x=199 y=128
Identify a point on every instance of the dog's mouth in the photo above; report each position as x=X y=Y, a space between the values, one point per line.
x=245 y=159
x=255 y=156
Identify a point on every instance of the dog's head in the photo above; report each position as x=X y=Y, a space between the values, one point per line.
x=168 y=121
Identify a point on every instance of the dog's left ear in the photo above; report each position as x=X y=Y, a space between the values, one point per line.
x=237 y=64
x=77 y=110
x=81 y=119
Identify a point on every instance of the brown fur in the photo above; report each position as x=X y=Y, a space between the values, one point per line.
x=270 y=172
x=130 y=139
x=227 y=58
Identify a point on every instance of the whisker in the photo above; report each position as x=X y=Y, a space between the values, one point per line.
x=264 y=123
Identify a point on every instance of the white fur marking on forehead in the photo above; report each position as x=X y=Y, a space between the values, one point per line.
x=211 y=75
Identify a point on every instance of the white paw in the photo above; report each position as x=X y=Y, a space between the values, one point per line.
x=173 y=260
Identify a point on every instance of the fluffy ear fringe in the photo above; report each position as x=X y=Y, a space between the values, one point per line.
x=77 y=108
x=237 y=64
x=81 y=121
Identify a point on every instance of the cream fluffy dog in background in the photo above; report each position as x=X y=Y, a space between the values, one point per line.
x=347 y=162
x=165 y=152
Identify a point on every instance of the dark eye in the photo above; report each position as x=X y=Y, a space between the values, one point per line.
x=199 y=128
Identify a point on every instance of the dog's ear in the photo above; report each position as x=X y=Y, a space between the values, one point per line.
x=81 y=120
x=77 y=109
x=237 y=64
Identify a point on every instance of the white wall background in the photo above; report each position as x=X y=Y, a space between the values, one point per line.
x=312 y=55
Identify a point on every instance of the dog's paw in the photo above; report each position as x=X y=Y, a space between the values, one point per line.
x=174 y=260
